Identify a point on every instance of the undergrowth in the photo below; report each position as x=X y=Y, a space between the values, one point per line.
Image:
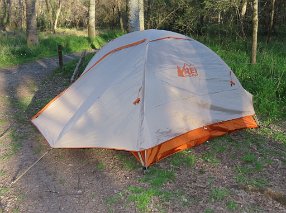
x=13 y=48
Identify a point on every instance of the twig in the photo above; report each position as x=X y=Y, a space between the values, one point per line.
x=277 y=196
x=76 y=70
x=5 y=131
x=18 y=178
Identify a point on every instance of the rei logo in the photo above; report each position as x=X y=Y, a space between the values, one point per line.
x=187 y=70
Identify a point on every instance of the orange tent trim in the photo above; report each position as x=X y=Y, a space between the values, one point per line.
x=115 y=50
x=193 y=138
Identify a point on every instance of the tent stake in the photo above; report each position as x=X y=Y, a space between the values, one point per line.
x=30 y=167
x=145 y=170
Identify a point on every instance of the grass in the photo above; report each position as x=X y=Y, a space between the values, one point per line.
x=4 y=190
x=184 y=158
x=2 y=172
x=13 y=146
x=3 y=122
x=231 y=205
x=219 y=194
x=153 y=187
x=114 y=199
x=13 y=48
x=142 y=197
x=158 y=177
x=100 y=166
x=210 y=158
x=128 y=161
x=249 y=158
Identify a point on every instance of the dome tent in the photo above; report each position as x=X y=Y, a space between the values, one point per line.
x=153 y=93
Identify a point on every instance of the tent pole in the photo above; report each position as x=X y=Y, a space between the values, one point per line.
x=141 y=160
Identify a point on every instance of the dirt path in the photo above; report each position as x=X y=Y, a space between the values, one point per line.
x=205 y=179
x=53 y=185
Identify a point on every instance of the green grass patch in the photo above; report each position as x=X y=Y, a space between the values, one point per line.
x=100 y=166
x=2 y=172
x=13 y=48
x=219 y=194
x=231 y=205
x=249 y=158
x=210 y=158
x=246 y=180
x=209 y=210
x=4 y=190
x=158 y=177
x=69 y=67
x=13 y=146
x=272 y=134
x=141 y=197
x=184 y=158
x=128 y=161
x=3 y=122
x=114 y=199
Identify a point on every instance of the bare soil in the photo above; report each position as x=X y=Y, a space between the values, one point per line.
x=98 y=180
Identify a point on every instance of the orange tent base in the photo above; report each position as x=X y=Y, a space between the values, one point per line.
x=192 y=138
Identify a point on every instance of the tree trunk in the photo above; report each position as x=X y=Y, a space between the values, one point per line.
x=270 y=28
x=219 y=17
x=24 y=14
x=57 y=16
x=32 y=36
x=20 y=18
x=136 y=15
x=8 y=14
x=119 y=11
x=50 y=15
x=243 y=8
x=148 y=12
x=241 y=14
x=91 y=19
x=133 y=21
x=5 y=19
x=3 y=15
x=126 y=16
x=254 y=31
x=141 y=14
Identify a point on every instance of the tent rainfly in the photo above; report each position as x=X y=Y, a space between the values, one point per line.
x=153 y=93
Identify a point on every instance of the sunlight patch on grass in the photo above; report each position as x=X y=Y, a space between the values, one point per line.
x=142 y=197
x=3 y=122
x=13 y=48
